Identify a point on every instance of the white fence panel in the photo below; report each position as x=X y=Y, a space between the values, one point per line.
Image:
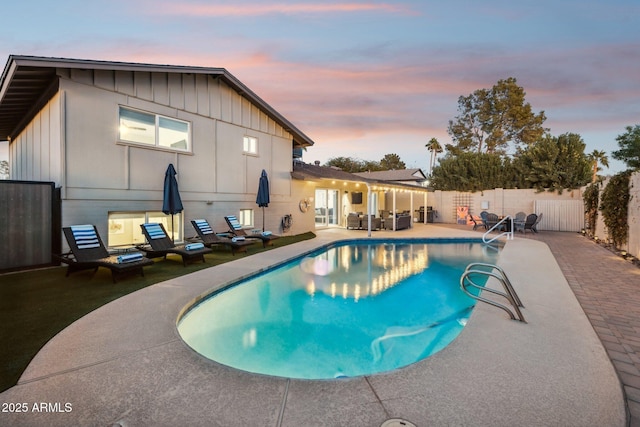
x=560 y=215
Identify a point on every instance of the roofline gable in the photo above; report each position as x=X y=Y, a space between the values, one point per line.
x=15 y=63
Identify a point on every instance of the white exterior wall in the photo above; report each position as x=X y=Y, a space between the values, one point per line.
x=73 y=141
x=302 y=221
x=36 y=154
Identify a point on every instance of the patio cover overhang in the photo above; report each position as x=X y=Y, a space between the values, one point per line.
x=329 y=176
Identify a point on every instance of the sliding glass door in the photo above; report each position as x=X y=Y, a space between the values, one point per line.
x=327 y=207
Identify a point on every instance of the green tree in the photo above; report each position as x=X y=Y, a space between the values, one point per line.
x=555 y=163
x=491 y=119
x=629 y=143
x=596 y=158
x=472 y=172
x=371 y=166
x=392 y=162
x=347 y=164
x=434 y=147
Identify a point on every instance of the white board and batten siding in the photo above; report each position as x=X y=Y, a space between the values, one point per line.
x=560 y=215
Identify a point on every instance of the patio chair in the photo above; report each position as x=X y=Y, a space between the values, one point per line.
x=376 y=223
x=209 y=238
x=88 y=252
x=491 y=220
x=534 y=227
x=160 y=244
x=519 y=220
x=236 y=229
x=353 y=221
x=529 y=223
x=475 y=222
x=483 y=216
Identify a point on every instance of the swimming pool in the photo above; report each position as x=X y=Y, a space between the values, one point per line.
x=349 y=309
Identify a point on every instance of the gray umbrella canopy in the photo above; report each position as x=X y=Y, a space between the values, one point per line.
x=171 y=201
x=262 y=199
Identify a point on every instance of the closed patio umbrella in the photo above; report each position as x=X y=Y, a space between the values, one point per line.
x=171 y=202
x=263 y=194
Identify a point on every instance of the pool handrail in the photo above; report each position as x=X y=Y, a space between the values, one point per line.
x=510 y=293
x=508 y=234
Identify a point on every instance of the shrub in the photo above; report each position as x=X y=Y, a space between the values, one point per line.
x=614 y=204
x=591 y=197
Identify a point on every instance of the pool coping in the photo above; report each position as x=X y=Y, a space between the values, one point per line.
x=126 y=364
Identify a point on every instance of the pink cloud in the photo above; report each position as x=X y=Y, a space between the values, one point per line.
x=256 y=9
x=396 y=102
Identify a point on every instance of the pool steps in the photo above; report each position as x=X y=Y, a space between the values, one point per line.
x=509 y=293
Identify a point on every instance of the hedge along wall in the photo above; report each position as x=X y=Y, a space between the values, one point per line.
x=633 y=218
x=601 y=230
x=634 y=215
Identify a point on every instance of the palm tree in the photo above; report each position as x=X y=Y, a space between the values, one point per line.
x=434 y=147
x=596 y=157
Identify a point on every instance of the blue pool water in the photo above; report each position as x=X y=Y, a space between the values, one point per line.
x=347 y=310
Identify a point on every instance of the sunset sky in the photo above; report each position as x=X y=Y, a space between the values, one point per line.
x=367 y=78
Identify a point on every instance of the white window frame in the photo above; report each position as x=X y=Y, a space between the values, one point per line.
x=250 y=145
x=156 y=142
x=124 y=233
x=246 y=218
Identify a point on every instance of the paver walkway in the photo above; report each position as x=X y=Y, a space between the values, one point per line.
x=607 y=287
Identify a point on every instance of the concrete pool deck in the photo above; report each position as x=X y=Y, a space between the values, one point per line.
x=125 y=364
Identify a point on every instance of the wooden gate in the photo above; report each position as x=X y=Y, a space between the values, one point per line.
x=560 y=215
x=29 y=224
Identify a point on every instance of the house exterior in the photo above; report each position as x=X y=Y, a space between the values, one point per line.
x=328 y=195
x=413 y=177
x=105 y=133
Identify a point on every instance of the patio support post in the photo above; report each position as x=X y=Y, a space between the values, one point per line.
x=425 y=208
x=394 y=210
x=411 y=211
x=368 y=210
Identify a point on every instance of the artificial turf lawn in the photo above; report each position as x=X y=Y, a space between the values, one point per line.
x=36 y=305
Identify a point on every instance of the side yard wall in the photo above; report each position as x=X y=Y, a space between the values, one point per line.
x=633 y=217
x=509 y=202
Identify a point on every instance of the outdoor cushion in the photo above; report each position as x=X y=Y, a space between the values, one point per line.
x=193 y=246
x=129 y=258
x=155 y=231
x=85 y=236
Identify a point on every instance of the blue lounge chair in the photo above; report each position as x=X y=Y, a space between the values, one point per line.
x=160 y=244
x=209 y=238
x=236 y=229
x=88 y=252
